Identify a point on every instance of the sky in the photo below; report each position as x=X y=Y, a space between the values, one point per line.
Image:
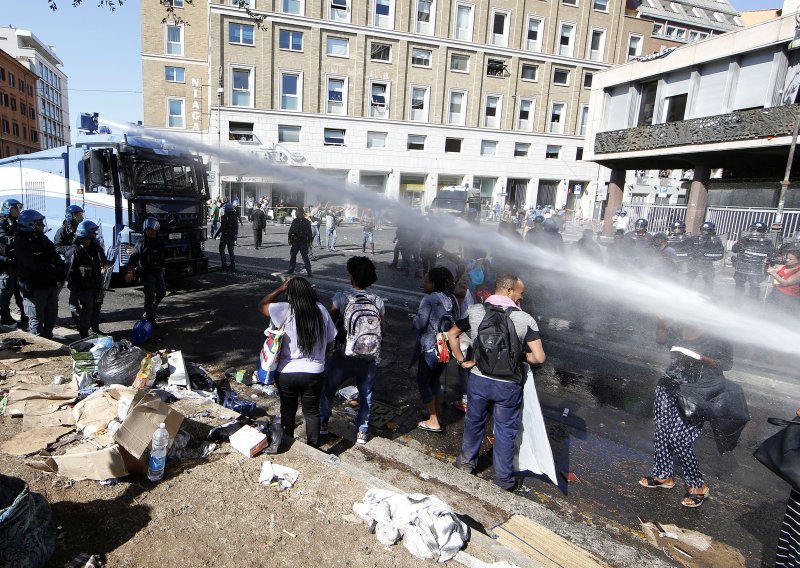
x=101 y=50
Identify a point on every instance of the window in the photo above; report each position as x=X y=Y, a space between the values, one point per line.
x=560 y=76
x=500 y=28
x=491 y=112
x=534 y=37
x=459 y=63
x=416 y=142
x=247 y=3
x=380 y=52
x=463 y=22
x=337 y=46
x=658 y=29
x=421 y=57
x=379 y=100
x=291 y=40
x=13 y=103
x=557 y=111
x=292 y=7
x=383 y=17
x=242 y=87
x=525 y=115
x=698 y=12
x=634 y=46
x=3 y=74
x=597 y=44
x=579 y=153
x=11 y=79
x=601 y=5
x=674 y=7
x=488 y=147
x=376 y=139
x=175 y=3
x=175 y=113
x=31 y=113
x=720 y=18
x=340 y=10
x=570 y=2
x=452 y=145
x=336 y=96
x=334 y=137
x=521 y=149
x=457 y=108
x=566 y=39
x=676 y=33
x=4 y=100
x=583 y=119
x=419 y=104
x=587 y=80
x=174 y=74
x=290 y=91
x=529 y=72
x=495 y=68
x=424 y=17
x=676 y=107
x=174 y=41
x=552 y=152
x=242 y=132
x=23 y=109
x=6 y=127
x=241 y=34
x=15 y=129
x=288 y=133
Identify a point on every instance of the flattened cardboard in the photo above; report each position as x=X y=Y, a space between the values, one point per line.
x=28 y=391
x=33 y=441
x=95 y=464
x=93 y=413
x=58 y=418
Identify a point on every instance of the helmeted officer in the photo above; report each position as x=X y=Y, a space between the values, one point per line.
x=85 y=260
x=41 y=272
x=753 y=251
x=680 y=242
x=65 y=236
x=148 y=261
x=8 y=264
x=705 y=249
x=638 y=242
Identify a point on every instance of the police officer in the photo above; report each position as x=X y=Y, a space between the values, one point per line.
x=41 y=272
x=148 y=260
x=704 y=250
x=229 y=229
x=680 y=242
x=85 y=260
x=638 y=242
x=753 y=251
x=65 y=236
x=8 y=264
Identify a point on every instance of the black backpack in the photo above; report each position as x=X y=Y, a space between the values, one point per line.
x=498 y=349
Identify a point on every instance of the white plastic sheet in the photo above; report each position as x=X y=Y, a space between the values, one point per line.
x=533 y=451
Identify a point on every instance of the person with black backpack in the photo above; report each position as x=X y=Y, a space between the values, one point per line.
x=359 y=315
x=503 y=339
x=436 y=314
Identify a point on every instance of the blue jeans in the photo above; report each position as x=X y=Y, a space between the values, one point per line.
x=330 y=235
x=339 y=370
x=41 y=307
x=315 y=235
x=506 y=397
x=429 y=370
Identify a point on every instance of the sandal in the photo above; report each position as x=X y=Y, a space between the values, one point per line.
x=424 y=426
x=693 y=500
x=653 y=483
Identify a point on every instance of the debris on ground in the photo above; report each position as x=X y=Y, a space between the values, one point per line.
x=278 y=475
x=27 y=537
x=691 y=548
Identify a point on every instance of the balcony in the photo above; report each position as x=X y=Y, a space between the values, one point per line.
x=732 y=127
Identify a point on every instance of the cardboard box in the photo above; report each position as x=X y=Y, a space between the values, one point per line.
x=249 y=441
x=134 y=436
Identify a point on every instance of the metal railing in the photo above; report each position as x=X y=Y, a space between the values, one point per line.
x=659 y=217
x=733 y=220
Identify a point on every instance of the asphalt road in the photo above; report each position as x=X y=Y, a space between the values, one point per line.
x=607 y=385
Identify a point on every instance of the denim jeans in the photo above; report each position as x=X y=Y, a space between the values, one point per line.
x=315 y=235
x=331 y=237
x=305 y=388
x=429 y=370
x=342 y=368
x=506 y=399
x=41 y=307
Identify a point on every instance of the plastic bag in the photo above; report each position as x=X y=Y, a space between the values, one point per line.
x=27 y=537
x=120 y=363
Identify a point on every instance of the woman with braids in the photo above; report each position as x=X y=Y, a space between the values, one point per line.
x=301 y=367
x=437 y=312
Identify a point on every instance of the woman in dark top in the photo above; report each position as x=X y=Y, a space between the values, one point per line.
x=787 y=554
x=703 y=358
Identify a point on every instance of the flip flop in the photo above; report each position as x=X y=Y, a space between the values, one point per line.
x=424 y=426
x=653 y=483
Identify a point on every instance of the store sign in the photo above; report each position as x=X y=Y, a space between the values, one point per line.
x=577 y=189
x=602 y=193
x=196 y=114
x=664 y=189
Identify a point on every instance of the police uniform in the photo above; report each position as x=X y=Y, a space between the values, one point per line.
x=148 y=257
x=41 y=274
x=681 y=243
x=65 y=237
x=704 y=251
x=753 y=251
x=8 y=272
x=637 y=246
x=85 y=282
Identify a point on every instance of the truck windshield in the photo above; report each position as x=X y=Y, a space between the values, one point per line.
x=454 y=204
x=158 y=176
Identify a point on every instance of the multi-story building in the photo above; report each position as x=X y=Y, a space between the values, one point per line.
x=402 y=96
x=51 y=88
x=19 y=127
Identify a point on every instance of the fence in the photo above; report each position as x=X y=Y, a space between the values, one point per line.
x=659 y=217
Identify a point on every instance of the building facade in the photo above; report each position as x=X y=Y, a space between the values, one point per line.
x=51 y=88
x=401 y=96
x=19 y=125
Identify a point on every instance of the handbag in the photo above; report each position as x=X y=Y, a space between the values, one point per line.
x=442 y=348
x=270 y=354
x=780 y=453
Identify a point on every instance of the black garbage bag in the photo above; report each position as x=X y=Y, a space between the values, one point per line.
x=698 y=386
x=729 y=415
x=120 y=363
x=27 y=538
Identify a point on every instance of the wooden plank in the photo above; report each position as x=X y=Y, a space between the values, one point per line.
x=543 y=545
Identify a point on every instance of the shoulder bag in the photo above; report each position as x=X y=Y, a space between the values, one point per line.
x=780 y=453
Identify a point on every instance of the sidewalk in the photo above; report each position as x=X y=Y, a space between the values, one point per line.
x=213 y=511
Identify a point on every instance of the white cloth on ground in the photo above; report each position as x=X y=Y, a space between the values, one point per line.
x=284 y=476
x=429 y=528
x=533 y=451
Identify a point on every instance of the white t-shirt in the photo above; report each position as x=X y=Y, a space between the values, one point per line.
x=291 y=359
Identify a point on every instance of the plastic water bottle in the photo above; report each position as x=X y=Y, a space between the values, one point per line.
x=158 y=454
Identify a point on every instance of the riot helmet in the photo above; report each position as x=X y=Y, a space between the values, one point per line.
x=538 y=219
x=678 y=227
x=29 y=220
x=74 y=214
x=708 y=228
x=759 y=227
x=550 y=226
x=151 y=223
x=87 y=230
x=641 y=225
x=9 y=205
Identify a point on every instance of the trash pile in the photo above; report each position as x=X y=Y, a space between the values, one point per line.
x=27 y=537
